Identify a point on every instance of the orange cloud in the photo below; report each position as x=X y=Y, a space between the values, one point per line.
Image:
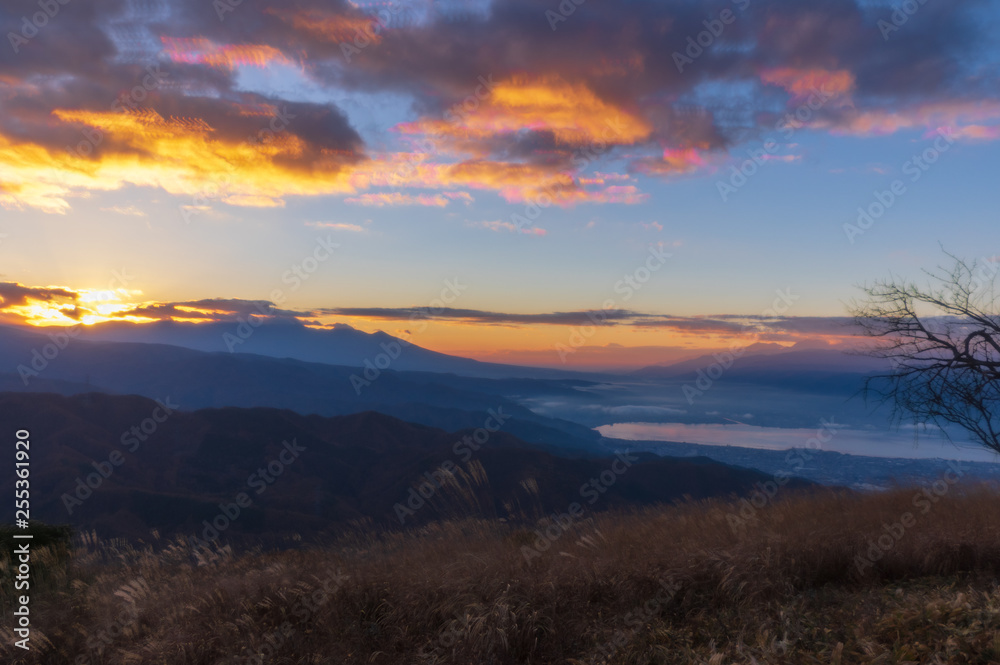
x=183 y=156
x=187 y=156
x=201 y=51
x=978 y=132
x=331 y=27
x=974 y=120
x=63 y=306
x=510 y=227
x=571 y=112
x=570 y=196
x=804 y=82
x=967 y=119
x=674 y=161
x=514 y=181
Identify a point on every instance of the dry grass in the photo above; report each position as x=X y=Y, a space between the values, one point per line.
x=784 y=589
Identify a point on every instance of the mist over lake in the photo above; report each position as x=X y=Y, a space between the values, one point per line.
x=908 y=443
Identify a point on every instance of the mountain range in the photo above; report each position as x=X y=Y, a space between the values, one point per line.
x=125 y=465
x=338 y=345
x=198 y=379
x=380 y=413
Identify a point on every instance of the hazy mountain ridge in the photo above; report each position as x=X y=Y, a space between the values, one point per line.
x=340 y=345
x=826 y=467
x=345 y=468
x=196 y=379
x=754 y=362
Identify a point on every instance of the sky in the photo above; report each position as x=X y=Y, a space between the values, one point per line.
x=509 y=171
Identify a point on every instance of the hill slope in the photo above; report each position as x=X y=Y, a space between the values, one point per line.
x=196 y=379
x=804 y=581
x=310 y=473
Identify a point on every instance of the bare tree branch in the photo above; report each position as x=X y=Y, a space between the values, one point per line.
x=943 y=345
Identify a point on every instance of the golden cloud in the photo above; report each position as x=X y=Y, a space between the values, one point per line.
x=201 y=51
x=571 y=112
x=183 y=156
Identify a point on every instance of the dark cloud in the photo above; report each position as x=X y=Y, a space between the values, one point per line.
x=607 y=57
x=71 y=41
x=781 y=328
x=723 y=324
x=214 y=309
x=624 y=51
x=13 y=294
x=591 y=317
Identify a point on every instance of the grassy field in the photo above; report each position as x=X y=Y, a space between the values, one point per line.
x=899 y=577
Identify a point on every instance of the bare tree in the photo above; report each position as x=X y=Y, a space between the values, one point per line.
x=943 y=346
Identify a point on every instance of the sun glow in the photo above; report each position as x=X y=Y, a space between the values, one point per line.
x=88 y=306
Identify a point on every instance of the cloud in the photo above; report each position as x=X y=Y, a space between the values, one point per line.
x=210 y=309
x=232 y=158
x=569 y=114
x=62 y=305
x=496 y=99
x=723 y=324
x=803 y=83
x=510 y=227
x=13 y=294
x=399 y=199
x=227 y=56
x=337 y=226
x=590 y=317
x=128 y=211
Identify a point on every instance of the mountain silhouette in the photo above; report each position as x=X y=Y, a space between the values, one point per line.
x=196 y=379
x=98 y=463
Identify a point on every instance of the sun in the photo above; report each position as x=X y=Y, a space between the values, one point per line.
x=89 y=307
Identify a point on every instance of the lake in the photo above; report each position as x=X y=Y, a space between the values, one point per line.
x=910 y=442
